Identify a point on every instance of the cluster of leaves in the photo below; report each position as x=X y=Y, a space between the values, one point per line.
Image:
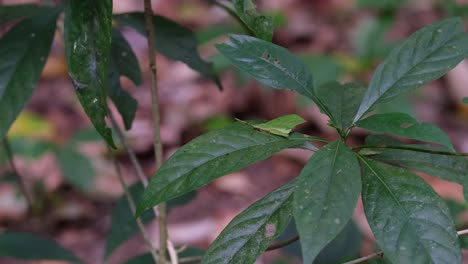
x=97 y=56
x=323 y=197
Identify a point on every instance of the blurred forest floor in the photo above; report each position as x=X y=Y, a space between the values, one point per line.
x=340 y=39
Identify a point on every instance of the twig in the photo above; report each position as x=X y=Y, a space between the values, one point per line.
x=158 y=150
x=172 y=252
x=131 y=204
x=18 y=177
x=190 y=259
x=283 y=244
x=129 y=150
x=366 y=258
x=380 y=254
x=131 y=154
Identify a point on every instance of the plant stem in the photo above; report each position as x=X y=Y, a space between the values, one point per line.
x=233 y=14
x=283 y=244
x=139 y=170
x=18 y=177
x=190 y=259
x=366 y=258
x=158 y=150
x=380 y=254
x=439 y=152
x=133 y=159
x=132 y=206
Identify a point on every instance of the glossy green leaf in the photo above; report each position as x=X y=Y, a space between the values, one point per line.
x=123 y=62
x=76 y=168
x=410 y=222
x=281 y=126
x=342 y=101
x=30 y=247
x=262 y=26
x=9 y=13
x=88 y=30
x=425 y=56
x=173 y=41
x=406 y=126
x=447 y=167
x=23 y=53
x=325 y=197
x=465 y=100
x=123 y=224
x=252 y=231
x=270 y=64
x=210 y=156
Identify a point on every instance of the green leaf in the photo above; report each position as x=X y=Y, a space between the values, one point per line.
x=76 y=168
x=23 y=53
x=29 y=247
x=123 y=224
x=210 y=156
x=423 y=57
x=325 y=197
x=406 y=126
x=181 y=200
x=342 y=101
x=262 y=26
x=281 y=126
x=29 y=148
x=9 y=13
x=123 y=62
x=173 y=41
x=465 y=100
x=88 y=27
x=345 y=247
x=252 y=231
x=141 y=259
x=410 y=222
x=270 y=64
x=447 y=167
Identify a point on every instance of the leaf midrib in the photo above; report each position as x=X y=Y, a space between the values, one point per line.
x=408 y=217
x=312 y=95
x=218 y=157
x=404 y=74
